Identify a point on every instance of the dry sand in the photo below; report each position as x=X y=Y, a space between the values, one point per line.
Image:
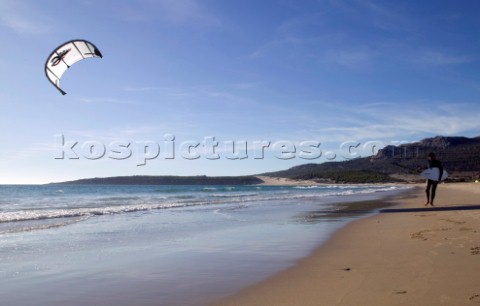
x=416 y=258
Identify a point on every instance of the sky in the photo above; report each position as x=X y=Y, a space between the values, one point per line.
x=314 y=76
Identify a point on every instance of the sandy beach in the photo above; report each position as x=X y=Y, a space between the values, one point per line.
x=412 y=258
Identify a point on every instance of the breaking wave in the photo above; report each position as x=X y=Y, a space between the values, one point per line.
x=126 y=205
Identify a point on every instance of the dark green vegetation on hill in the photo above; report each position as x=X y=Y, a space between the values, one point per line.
x=459 y=155
x=311 y=172
x=169 y=180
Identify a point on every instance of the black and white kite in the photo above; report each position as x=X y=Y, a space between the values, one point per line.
x=65 y=56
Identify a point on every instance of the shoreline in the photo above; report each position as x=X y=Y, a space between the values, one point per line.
x=155 y=257
x=281 y=181
x=387 y=259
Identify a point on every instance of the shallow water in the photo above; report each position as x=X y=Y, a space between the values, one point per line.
x=158 y=245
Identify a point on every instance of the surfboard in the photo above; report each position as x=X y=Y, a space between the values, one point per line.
x=433 y=173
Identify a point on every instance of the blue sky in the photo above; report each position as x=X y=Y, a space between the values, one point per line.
x=325 y=71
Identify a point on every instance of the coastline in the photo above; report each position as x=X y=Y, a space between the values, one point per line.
x=421 y=258
x=281 y=181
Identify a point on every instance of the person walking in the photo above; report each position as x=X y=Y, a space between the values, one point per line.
x=431 y=189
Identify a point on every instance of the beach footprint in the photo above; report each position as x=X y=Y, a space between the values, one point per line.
x=422 y=235
x=475 y=250
x=426 y=215
x=454 y=221
x=475 y=298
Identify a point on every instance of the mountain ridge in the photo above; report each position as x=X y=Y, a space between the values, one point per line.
x=459 y=155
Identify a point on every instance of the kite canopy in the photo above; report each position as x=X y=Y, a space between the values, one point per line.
x=65 y=56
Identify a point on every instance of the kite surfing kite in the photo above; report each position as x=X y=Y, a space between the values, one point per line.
x=65 y=56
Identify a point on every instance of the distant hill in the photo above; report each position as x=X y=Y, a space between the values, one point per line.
x=168 y=180
x=459 y=155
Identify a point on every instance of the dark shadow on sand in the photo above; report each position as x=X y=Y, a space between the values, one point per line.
x=345 y=210
x=434 y=208
x=342 y=211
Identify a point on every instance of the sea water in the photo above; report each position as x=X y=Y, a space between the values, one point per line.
x=158 y=245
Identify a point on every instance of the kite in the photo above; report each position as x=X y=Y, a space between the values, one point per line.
x=65 y=56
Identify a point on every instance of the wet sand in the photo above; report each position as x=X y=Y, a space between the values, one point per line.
x=411 y=258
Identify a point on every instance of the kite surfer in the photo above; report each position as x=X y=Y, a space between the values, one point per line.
x=431 y=189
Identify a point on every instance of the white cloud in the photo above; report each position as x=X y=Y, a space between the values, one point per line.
x=20 y=18
x=183 y=11
x=306 y=37
x=438 y=58
x=377 y=15
x=294 y=31
x=376 y=104
x=382 y=121
x=178 y=12
x=119 y=132
x=144 y=88
x=105 y=100
x=244 y=85
x=349 y=59
x=385 y=18
x=270 y=45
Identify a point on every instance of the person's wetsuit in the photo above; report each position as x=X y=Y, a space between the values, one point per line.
x=431 y=184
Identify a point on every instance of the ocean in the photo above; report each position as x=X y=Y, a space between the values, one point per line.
x=161 y=245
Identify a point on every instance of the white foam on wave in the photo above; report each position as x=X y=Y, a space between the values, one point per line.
x=18 y=227
x=307 y=187
x=209 y=189
x=233 y=195
x=52 y=213
x=40 y=214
